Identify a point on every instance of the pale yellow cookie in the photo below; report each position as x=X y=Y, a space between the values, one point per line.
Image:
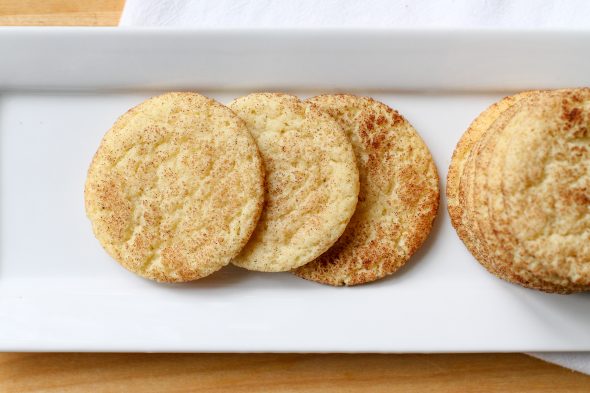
x=489 y=203
x=476 y=225
x=491 y=169
x=398 y=197
x=545 y=186
x=311 y=178
x=175 y=188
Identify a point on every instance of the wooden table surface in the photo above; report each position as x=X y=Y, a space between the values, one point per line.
x=261 y=372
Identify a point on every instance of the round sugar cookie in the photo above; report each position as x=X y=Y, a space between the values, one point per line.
x=494 y=243
x=544 y=182
x=176 y=187
x=479 y=206
x=398 y=197
x=312 y=181
x=472 y=217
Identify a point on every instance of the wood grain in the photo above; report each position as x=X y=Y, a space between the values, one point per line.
x=60 y=12
x=21 y=373
x=238 y=373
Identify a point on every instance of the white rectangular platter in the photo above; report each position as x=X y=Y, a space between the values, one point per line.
x=61 y=89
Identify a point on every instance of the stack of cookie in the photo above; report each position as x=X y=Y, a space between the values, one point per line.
x=519 y=189
x=339 y=189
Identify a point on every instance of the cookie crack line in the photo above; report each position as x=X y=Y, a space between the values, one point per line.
x=143 y=191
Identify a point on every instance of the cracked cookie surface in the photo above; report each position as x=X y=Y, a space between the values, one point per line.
x=544 y=182
x=518 y=189
x=398 y=197
x=312 y=181
x=175 y=188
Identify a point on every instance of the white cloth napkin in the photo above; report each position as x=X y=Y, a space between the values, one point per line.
x=358 y=13
x=570 y=14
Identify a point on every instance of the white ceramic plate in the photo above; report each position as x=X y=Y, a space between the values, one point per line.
x=61 y=89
